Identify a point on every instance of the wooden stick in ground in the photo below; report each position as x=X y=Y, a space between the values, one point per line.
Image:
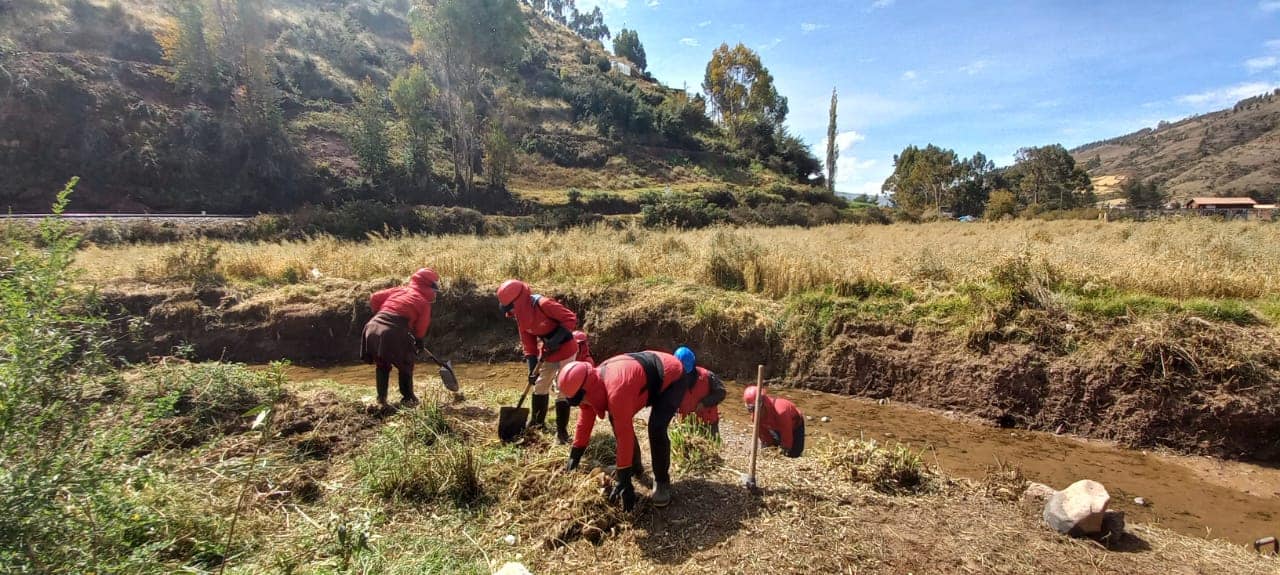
x=755 y=425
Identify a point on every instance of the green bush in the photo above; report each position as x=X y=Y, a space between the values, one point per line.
x=421 y=460
x=685 y=211
x=188 y=403
x=693 y=448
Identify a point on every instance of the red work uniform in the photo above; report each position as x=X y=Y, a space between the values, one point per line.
x=706 y=387
x=782 y=425
x=625 y=391
x=537 y=317
x=406 y=308
x=584 y=348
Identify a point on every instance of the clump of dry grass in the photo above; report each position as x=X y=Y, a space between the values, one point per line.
x=1177 y=259
x=888 y=469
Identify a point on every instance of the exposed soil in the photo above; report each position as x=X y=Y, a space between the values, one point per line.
x=1181 y=384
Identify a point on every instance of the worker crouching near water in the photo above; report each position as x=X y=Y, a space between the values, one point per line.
x=620 y=387
x=706 y=392
x=546 y=335
x=781 y=423
x=396 y=333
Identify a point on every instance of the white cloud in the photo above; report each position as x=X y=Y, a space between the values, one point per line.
x=853 y=175
x=808 y=27
x=910 y=75
x=605 y=5
x=1261 y=63
x=1269 y=5
x=653 y=3
x=1226 y=96
x=975 y=67
x=770 y=45
x=882 y=4
x=1273 y=44
x=704 y=23
x=690 y=42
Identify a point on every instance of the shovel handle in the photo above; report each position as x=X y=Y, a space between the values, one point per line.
x=432 y=357
x=536 y=367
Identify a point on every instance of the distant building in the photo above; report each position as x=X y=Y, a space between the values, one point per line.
x=1221 y=204
x=1264 y=211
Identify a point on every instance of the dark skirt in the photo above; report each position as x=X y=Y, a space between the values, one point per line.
x=387 y=342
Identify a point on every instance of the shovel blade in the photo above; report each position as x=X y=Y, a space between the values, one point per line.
x=511 y=423
x=448 y=378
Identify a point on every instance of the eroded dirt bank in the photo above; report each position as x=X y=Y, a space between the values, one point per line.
x=1180 y=383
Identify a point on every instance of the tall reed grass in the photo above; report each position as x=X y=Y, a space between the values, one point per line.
x=1177 y=259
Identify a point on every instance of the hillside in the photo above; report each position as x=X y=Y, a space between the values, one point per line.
x=1224 y=153
x=89 y=90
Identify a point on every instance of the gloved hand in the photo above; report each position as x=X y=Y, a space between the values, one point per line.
x=575 y=457
x=623 y=490
x=419 y=345
x=554 y=340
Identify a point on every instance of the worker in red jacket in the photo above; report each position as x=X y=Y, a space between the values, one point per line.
x=397 y=330
x=619 y=388
x=706 y=391
x=781 y=423
x=584 y=347
x=546 y=336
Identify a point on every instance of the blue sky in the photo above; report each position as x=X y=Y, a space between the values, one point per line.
x=971 y=75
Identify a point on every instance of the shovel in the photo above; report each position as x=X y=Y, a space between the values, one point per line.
x=512 y=420
x=447 y=377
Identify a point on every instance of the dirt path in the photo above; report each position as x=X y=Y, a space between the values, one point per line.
x=1196 y=496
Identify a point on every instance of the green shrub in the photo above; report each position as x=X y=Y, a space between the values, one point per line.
x=693 y=447
x=188 y=403
x=685 y=211
x=421 y=460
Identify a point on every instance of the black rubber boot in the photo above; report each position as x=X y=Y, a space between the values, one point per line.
x=382 y=378
x=407 y=397
x=538 y=411
x=562 y=421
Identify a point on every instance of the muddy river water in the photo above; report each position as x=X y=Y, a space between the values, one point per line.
x=1198 y=496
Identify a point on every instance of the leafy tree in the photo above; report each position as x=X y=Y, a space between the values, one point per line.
x=411 y=94
x=833 y=151
x=1143 y=195
x=1048 y=177
x=978 y=177
x=924 y=178
x=467 y=39
x=501 y=156
x=741 y=90
x=627 y=45
x=1001 y=204
x=589 y=25
x=370 y=133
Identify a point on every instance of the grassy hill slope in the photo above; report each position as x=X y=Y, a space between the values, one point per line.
x=1226 y=153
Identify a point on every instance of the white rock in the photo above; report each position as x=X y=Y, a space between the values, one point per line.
x=509 y=539
x=1079 y=509
x=513 y=568
x=825 y=419
x=1037 y=493
x=1141 y=502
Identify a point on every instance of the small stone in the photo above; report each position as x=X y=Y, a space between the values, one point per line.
x=1079 y=509
x=1140 y=501
x=825 y=419
x=509 y=539
x=513 y=568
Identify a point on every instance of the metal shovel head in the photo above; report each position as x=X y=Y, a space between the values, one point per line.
x=511 y=422
x=447 y=377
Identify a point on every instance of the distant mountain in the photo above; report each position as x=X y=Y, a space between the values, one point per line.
x=1227 y=153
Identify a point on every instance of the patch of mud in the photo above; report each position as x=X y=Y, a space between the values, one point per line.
x=323 y=426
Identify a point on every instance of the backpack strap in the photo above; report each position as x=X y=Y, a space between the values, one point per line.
x=652 y=373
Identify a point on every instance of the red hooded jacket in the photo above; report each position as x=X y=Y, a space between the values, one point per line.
x=535 y=321
x=781 y=417
x=584 y=349
x=619 y=388
x=701 y=388
x=412 y=302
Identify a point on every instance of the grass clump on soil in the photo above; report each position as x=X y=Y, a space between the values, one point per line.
x=185 y=404
x=419 y=458
x=693 y=447
x=892 y=469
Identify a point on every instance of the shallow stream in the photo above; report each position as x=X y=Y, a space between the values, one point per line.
x=1198 y=496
